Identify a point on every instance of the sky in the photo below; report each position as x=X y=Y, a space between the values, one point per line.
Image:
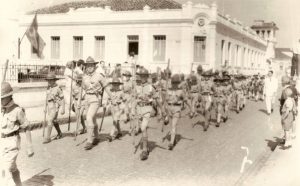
x=282 y=12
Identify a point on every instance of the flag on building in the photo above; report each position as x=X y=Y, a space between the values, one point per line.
x=35 y=39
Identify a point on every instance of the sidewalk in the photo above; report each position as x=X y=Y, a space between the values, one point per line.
x=282 y=167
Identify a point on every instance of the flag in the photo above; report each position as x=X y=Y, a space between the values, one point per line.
x=34 y=38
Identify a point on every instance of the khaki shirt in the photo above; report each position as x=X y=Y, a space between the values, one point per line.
x=13 y=118
x=175 y=96
x=144 y=93
x=93 y=83
x=55 y=94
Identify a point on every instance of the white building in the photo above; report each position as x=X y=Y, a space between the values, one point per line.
x=187 y=35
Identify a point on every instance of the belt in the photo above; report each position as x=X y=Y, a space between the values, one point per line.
x=141 y=104
x=15 y=133
x=174 y=104
x=90 y=93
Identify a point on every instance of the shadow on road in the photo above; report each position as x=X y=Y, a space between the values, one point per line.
x=263 y=111
x=272 y=144
x=40 y=180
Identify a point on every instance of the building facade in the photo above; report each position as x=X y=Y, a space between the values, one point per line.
x=186 y=35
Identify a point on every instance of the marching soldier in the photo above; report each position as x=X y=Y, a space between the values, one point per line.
x=79 y=109
x=160 y=94
x=174 y=100
x=94 y=84
x=193 y=94
x=55 y=101
x=13 y=121
x=205 y=98
x=237 y=87
x=144 y=108
x=261 y=88
x=128 y=89
x=219 y=100
x=117 y=108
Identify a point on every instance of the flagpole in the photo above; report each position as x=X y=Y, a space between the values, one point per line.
x=19 y=45
x=20 y=41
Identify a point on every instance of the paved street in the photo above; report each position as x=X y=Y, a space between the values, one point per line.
x=200 y=158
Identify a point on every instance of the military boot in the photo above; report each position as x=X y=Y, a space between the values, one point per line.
x=90 y=132
x=145 y=153
x=59 y=134
x=47 y=138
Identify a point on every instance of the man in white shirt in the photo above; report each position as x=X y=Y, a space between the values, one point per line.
x=270 y=90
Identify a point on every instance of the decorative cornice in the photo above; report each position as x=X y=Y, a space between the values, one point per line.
x=116 y=22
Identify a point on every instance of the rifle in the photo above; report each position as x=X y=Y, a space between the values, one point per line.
x=132 y=125
x=164 y=101
x=70 y=100
x=78 y=110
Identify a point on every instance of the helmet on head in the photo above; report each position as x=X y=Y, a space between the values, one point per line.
x=193 y=79
x=116 y=81
x=90 y=60
x=182 y=77
x=143 y=71
x=199 y=69
x=6 y=90
x=175 y=79
x=126 y=73
x=79 y=77
x=51 y=76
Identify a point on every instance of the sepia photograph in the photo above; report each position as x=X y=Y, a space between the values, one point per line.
x=150 y=93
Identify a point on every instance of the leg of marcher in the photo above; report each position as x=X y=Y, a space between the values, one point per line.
x=145 y=151
x=173 y=131
x=90 y=119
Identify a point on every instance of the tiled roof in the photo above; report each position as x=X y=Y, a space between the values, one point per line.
x=116 y=5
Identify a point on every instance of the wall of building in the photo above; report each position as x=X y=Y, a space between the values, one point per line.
x=179 y=26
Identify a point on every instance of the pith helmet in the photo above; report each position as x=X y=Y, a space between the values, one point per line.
x=143 y=71
x=116 y=81
x=193 y=79
x=6 y=90
x=199 y=69
x=175 y=78
x=79 y=77
x=90 y=60
x=51 y=76
x=126 y=73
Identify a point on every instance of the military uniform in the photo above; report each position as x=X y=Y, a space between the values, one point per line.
x=55 y=101
x=159 y=97
x=93 y=84
x=128 y=89
x=237 y=95
x=144 y=99
x=79 y=109
x=174 y=100
x=205 y=99
x=194 y=94
x=219 y=100
x=117 y=108
x=12 y=121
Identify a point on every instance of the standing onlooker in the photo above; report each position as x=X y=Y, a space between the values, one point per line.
x=68 y=78
x=270 y=89
x=288 y=115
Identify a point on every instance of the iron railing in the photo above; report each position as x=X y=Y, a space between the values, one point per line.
x=23 y=73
